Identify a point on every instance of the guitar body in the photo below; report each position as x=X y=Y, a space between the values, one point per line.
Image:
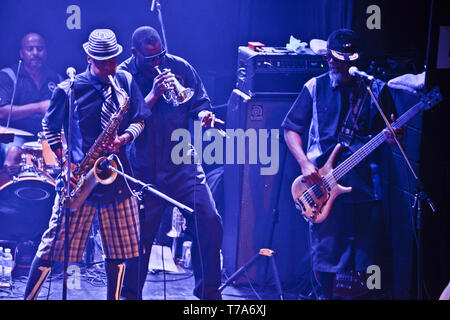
x=349 y=284
x=316 y=201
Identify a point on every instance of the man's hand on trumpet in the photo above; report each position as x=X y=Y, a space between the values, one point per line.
x=162 y=83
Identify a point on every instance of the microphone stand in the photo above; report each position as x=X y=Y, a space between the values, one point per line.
x=419 y=196
x=9 y=137
x=150 y=188
x=68 y=189
x=157 y=4
x=14 y=93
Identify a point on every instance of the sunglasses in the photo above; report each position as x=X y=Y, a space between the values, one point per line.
x=151 y=59
x=328 y=56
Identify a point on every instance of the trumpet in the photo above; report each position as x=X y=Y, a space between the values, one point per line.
x=178 y=94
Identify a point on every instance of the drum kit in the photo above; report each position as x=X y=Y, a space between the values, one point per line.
x=27 y=191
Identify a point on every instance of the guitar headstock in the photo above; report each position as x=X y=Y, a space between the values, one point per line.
x=431 y=98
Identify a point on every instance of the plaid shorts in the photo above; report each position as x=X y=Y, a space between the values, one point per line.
x=119 y=229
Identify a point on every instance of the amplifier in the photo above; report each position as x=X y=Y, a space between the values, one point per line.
x=276 y=70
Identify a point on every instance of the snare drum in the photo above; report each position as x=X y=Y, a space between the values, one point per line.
x=26 y=202
x=39 y=154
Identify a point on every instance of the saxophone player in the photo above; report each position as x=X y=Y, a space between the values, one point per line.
x=95 y=101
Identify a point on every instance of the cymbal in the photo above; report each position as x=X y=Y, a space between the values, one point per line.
x=16 y=132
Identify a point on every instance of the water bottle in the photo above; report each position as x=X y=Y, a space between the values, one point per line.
x=1 y=264
x=187 y=254
x=2 y=269
x=7 y=266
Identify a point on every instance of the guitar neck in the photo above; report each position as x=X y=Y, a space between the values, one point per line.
x=374 y=143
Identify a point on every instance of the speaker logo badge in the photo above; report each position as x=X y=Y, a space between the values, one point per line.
x=51 y=86
x=256 y=113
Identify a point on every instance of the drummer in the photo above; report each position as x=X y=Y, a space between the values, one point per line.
x=35 y=85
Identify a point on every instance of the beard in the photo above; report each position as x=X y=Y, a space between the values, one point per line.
x=335 y=77
x=36 y=63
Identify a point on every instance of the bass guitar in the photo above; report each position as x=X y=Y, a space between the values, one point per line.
x=315 y=201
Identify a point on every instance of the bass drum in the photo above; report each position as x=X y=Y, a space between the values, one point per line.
x=26 y=202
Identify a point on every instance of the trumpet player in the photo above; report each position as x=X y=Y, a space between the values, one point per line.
x=96 y=99
x=151 y=157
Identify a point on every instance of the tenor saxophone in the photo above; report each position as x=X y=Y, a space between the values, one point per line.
x=87 y=172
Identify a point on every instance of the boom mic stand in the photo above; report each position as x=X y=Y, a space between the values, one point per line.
x=150 y=188
x=419 y=196
x=145 y=188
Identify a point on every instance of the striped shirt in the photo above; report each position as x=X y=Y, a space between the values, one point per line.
x=91 y=112
x=108 y=109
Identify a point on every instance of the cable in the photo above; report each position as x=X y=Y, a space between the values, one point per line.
x=164 y=271
x=251 y=286
x=134 y=193
x=190 y=275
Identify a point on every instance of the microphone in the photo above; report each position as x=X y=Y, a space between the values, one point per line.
x=152 y=7
x=71 y=73
x=105 y=163
x=354 y=72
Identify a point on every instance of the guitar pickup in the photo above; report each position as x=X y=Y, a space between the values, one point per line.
x=300 y=206
x=308 y=198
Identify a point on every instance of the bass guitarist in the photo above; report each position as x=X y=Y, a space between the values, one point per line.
x=337 y=108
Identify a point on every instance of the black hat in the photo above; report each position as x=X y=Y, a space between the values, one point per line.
x=342 y=44
x=102 y=45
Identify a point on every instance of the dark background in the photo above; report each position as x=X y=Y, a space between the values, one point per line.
x=208 y=32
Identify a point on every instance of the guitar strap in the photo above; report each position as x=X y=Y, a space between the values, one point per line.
x=356 y=102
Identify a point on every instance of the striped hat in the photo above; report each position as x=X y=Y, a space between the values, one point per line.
x=102 y=45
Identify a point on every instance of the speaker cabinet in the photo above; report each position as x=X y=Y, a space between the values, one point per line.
x=251 y=197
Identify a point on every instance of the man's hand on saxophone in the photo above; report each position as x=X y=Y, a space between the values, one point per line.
x=119 y=141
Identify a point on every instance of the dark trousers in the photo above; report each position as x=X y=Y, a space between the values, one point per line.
x=205 y=228
x=353 y=237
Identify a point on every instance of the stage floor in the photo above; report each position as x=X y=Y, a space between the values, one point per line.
x=91 y=285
